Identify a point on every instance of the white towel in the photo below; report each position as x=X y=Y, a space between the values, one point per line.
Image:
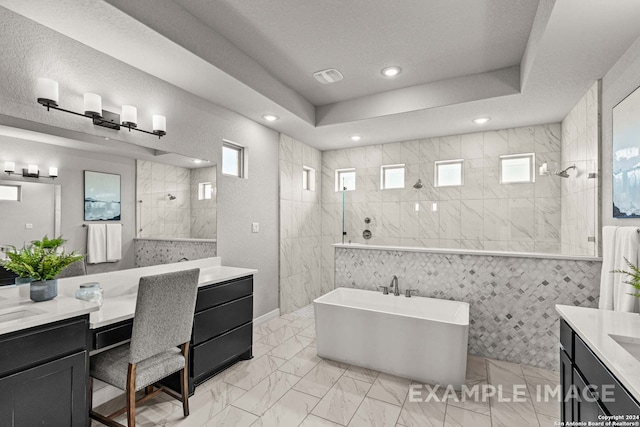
x=96 y=244
x=608 y=264
x=114 y=242
x=626 y=247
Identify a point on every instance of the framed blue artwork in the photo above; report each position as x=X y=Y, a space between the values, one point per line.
x=626 y=157
x=101 y=196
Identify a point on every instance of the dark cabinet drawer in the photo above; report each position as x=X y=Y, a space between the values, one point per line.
x=214 y=321
x=596 y=374
x=52 y=394
x=42 y=344
x=210 y=356
x=220 y=293
x=585 y=407
x=112 y=334
x=566 y=377
x=566 y=338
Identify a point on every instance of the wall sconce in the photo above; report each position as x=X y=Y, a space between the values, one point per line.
x=31 y=171
x=47 y=93
x=9 y=167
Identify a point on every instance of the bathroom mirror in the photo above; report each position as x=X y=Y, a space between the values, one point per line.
x=28 y=211
x=61 y=212
x=174 y=202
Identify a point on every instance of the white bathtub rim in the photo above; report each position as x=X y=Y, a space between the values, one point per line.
x=431 y=319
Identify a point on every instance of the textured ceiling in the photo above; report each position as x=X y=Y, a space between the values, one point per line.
x=430 y=39
x=570 y=44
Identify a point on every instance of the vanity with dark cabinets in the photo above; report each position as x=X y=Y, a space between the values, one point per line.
x=590 y=391
x=43 y=375
x=222 y=330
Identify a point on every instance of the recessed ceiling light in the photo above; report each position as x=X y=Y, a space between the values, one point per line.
x=391 y=71
x=355 y=137
x=270 y=117
x=481 y=120
x=197 y=161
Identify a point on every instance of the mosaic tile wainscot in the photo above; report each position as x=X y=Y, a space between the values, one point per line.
x=511 y=299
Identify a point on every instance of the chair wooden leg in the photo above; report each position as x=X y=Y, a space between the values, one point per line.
x=131 y=395
x=148 y=390
x=185 y=379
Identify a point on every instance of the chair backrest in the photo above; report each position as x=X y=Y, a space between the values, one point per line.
x=164 y=313
x=77 y=268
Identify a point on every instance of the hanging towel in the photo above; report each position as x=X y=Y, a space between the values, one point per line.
x=626 y=247
x=96 y=243
x=608 y=265
x=114 y=242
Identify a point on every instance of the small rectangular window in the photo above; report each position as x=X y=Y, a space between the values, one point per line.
x=308 y=178
x=204 y=190
x=517 y=168
x=391 y=177
x=10 y=193
x=448 y=173
x=232 y=159
x=345 y=179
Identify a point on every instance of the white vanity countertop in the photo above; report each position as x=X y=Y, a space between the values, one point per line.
x=120 y=291
x=118 y=308
x=18 y=312
x=595 y=327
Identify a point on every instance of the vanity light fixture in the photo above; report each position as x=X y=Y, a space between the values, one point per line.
x=48 y=96
x=9 y=167
x=481 y=120
x=270 y=117
x=391 y=71
x=31 y=171
x=355 y=138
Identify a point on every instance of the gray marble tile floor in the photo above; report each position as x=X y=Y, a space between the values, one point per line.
x=287 y=385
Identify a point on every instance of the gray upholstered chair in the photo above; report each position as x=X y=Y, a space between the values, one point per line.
x=77 y=268
x=162 y=323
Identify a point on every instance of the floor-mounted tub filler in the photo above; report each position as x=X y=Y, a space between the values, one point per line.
x=423 y=339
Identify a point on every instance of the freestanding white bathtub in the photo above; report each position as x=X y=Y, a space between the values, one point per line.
x=423 y=339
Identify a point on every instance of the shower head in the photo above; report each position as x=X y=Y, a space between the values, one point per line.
x=564 y=173
x=171 y=196
x=418 y=184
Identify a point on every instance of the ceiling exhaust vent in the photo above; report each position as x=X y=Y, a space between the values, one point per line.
x=330 y=75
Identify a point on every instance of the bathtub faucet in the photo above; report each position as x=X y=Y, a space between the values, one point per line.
x=396 y=290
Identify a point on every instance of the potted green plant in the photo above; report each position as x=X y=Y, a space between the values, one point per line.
x=41 y=261
x=634 y=276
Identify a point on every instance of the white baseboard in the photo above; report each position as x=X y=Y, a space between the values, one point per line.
x=267 y=316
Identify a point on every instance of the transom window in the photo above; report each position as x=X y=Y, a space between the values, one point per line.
x=448 y=173
x=205 y=190
x=346 y=179
x=232 y=159
x=391 y=177
x=10 y=193
x=308 y=178
x=517 y=168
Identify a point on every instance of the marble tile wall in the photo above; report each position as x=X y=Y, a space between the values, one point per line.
x=511 y=300
x=481 y=214
x=300 y=226
x=156 y=252
x=184 y=217
x=579 y=194
x=203 y=212
x=157 y=215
